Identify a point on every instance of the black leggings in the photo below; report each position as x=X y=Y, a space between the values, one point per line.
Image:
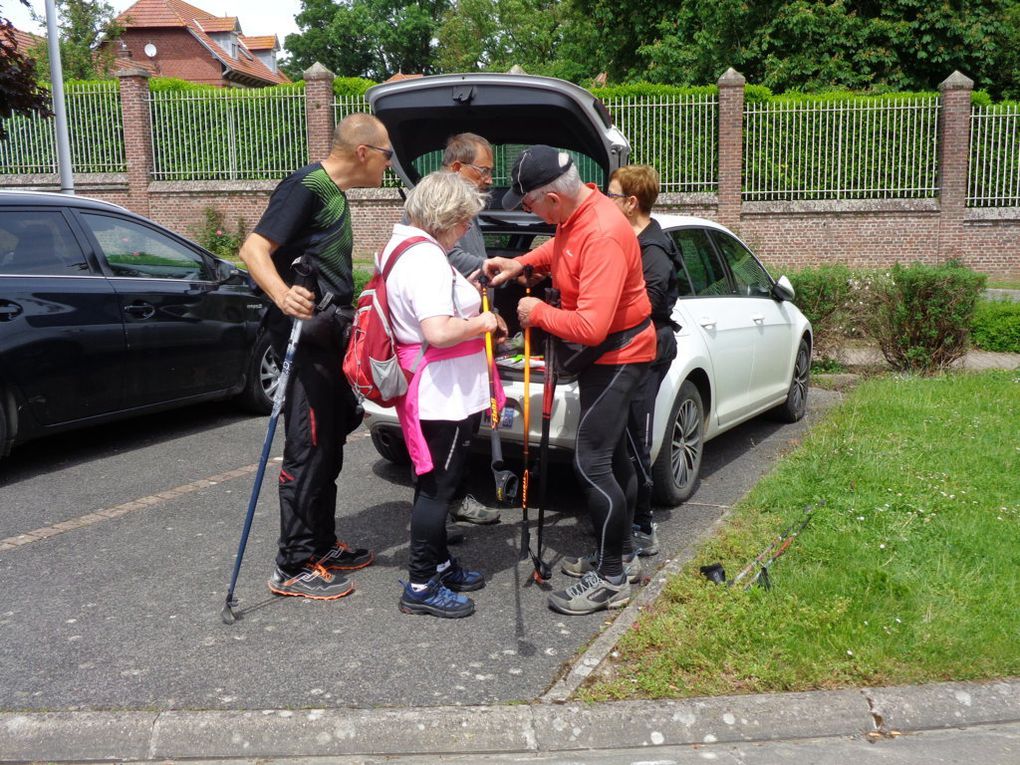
x=639 y=437
x=449 y=445
x=602 y=459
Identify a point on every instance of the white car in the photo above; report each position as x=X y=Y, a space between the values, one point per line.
x=743 y=347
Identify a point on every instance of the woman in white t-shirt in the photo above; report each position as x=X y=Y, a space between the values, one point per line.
x=433 y=307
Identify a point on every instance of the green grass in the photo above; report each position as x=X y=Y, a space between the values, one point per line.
x=908 y=572
x=1004 y=284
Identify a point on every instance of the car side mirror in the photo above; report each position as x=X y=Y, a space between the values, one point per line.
x=225 y=272
x=783 y=290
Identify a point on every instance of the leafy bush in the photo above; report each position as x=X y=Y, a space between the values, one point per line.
x=824 y=294
x=217 y=238
x=351 y=86
x=921 y=315
x=997 y=326
x=361 y=277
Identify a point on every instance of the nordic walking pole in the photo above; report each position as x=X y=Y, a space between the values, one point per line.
x=541 y=572
x=506 y=481
x=552 y=297
x=305 y=278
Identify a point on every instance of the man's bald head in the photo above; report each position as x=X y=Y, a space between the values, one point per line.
x=357 y=130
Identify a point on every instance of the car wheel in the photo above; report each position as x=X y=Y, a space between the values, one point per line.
x=263 y=377
x=676 y=469
x=795 y=406
x=3 y=428
x=390 y=445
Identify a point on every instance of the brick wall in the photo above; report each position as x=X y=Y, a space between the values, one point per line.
x=178 y=54
x=784 y=234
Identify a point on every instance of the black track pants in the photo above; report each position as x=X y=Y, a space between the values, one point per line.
x=449 y=445
x=602 y=459
x=318 y=413
x=639 y=437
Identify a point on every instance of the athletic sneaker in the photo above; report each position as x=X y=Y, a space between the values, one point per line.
x=459 y=579
x=342 y=557
x=312 y=581
x=436 y=600
x=646 y=544
x=591 y=594
x=454 y=534
x=581 y=566
x=471 y=510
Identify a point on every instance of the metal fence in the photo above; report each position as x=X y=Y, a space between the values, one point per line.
x=994 y=173
x=345 y=105
x=861 y=149
x=95 y=130
x=232 y=134
x=678 y=135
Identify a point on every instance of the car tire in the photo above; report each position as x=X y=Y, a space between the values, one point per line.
x=3 y=427
x=263 y=377
x=389 y=442
x=678 y=466
x=795 y=406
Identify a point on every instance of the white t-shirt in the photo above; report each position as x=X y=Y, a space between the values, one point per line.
x=421 y=285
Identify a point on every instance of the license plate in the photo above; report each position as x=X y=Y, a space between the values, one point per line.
x=507 y=420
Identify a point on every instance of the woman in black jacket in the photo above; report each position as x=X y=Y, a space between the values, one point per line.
x=635 y=188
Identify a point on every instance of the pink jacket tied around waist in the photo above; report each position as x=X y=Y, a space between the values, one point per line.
x=407 y=405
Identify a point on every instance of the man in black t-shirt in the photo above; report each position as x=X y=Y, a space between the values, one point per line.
x=308 y=215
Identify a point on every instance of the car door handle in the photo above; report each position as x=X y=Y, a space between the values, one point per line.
x=758 y=318
x=707 y=322
x=141 y=310
x=8 y=311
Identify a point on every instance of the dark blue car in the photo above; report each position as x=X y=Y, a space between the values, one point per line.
x=105 y=314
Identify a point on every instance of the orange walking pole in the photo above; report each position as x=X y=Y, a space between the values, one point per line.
x=542 y=571
x=506 y=481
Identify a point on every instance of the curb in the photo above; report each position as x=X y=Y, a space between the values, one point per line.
x=173 y=735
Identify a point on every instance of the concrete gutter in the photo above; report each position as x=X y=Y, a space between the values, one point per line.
x=543 y=727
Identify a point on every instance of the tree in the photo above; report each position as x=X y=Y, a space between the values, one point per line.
x=20 y=93
x=812 y=44
x=542 y=36
x=367 y=38
x=84 y=25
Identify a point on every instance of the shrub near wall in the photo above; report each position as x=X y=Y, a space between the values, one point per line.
x=997 y=326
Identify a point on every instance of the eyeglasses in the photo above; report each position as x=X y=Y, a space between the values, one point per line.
x=526 y=205
x=482 y=170
x=616 y=196
x=388 y=153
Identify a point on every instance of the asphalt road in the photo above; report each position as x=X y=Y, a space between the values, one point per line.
x=119 y=608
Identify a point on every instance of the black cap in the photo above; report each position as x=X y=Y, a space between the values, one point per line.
x=535 y=167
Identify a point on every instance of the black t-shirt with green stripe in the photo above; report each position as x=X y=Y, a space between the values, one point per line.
x=308 y=215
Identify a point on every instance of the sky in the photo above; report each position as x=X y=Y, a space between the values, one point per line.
x=257 y=17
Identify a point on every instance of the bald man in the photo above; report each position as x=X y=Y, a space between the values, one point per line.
x=308 y=215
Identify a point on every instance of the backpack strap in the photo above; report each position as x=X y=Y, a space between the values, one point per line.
x=399 y=250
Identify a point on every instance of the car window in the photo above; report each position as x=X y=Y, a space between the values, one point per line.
x=708 y=276
x=750 y=277
x=39 y=243
x=503 y=156
x=134 y=250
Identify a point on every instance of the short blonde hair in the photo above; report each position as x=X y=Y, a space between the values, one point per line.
x=640 y=181
x=441 y=201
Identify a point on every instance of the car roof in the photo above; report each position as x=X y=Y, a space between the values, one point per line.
x=670 y=221
x=507 y=109
x=10 y=198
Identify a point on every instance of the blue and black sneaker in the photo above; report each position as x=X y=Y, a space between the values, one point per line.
x=459 y=579
x=436 y=600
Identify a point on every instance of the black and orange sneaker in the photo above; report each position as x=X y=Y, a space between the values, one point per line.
x=342 y=557
x=312 y=581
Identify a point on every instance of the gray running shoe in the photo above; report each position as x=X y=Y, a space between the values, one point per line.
x=312 y=581
x=473 y=511
x=581 y=566
x=646 y=544
x=591 y=594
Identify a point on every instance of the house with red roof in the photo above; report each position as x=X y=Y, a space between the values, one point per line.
x=25 y=41
x=170 y=38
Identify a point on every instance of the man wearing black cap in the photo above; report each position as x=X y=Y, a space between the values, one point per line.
x=595 y=262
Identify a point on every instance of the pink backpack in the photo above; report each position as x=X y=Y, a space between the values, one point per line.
x=370 y=361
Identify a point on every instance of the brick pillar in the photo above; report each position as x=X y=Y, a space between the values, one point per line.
x=134 y=99
x=954 y=162
x=731 y=147
x=319 y=110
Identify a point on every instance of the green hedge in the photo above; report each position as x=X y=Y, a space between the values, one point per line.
x=997 y=326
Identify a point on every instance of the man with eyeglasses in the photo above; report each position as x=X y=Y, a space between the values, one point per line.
x=308 y=217
x=595 y=261
x=470 y=156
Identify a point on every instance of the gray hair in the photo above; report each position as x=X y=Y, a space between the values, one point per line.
x=463 y=147
x=567 y=185
x=441 y=201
